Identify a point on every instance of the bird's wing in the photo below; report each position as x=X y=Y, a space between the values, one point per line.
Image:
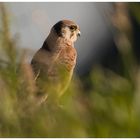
x=43 y=62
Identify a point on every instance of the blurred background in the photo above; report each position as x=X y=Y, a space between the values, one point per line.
x=33 y=22
x=103 y=98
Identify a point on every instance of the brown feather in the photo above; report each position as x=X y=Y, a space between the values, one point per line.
x=54 y=62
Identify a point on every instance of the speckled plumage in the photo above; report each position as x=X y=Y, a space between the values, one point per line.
x=54 y=62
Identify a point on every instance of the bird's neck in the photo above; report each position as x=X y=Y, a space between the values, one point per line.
x=63 y=42
x=51 y=41
x=54 y=42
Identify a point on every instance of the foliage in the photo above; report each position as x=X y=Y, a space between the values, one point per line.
x=110 y=109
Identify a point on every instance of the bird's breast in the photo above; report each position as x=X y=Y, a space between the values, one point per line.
x=67 y=57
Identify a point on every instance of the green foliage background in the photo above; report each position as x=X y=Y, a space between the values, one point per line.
x=110 y=109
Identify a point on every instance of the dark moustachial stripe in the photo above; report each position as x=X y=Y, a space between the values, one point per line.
x=57 y=27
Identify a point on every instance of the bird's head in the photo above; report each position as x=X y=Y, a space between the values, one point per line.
x=67 y=29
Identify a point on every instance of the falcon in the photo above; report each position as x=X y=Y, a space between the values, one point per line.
x=54 y=62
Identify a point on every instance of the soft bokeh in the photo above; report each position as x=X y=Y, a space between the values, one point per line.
x=102 y=102
x=33 y=22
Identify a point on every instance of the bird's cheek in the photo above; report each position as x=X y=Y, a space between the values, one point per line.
x=63 y=32
x=74 y=38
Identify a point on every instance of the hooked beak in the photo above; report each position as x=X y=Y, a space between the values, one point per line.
x=79 y=33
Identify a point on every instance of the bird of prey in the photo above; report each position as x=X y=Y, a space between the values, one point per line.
x=54 y=62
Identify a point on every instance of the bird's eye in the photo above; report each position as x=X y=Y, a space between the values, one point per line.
x=72 y=28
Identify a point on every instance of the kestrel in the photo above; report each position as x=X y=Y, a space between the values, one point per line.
x=54 y=62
